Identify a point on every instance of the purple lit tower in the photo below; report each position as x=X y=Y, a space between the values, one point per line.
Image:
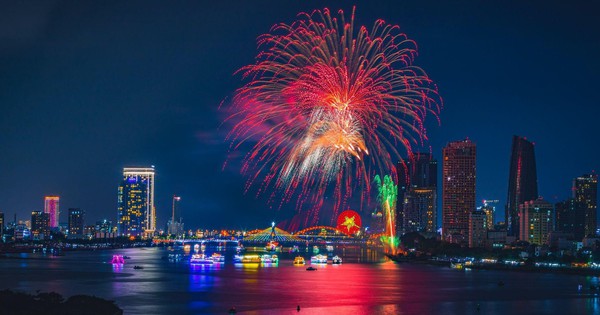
x=51 y=208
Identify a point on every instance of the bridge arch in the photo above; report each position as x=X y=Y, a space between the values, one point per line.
x=319 y=228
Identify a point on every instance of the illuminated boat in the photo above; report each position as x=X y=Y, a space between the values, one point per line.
x=217 y=258
x=458 y=266
x=117 y=259
x=318 y=259
x=336 y=260
x=329 y=248
x=247 y=259
x=299 y=260
x=200 y=259
x=266 y=259
x=274 y=259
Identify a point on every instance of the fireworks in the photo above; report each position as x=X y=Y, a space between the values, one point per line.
x=388 y=192
x=327 y=106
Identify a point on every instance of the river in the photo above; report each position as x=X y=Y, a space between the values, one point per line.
x=364 y=284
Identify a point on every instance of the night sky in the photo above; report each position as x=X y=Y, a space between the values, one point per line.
x=88 y=87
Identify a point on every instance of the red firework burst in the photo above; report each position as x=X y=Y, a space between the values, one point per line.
x=328 y=106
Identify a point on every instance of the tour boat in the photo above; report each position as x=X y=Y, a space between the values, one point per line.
x=336 y=260
x=299 y=260
x=247 y=259
x=311 y=268
x=318 y=259
x=200 y=259
x=266 y=259
x=117 y=259
x=274 y=259
x=217 y=258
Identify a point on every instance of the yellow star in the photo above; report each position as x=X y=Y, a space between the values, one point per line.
x=349 y=223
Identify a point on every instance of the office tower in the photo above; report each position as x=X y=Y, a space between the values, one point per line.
x=535 y=221
x=570 y=218
x=585 y=191
x=175 y=224
x=477 y=229
x=522 y=181
x=458 y=189
x=40 y=224
x=416 y=207
x=52 y=209
x=136 y=202
x=489 y=211
x=76 y=222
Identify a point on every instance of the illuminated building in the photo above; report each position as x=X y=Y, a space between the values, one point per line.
x=416 y=208
x=535 y=221
x=51 y=208
x=40 y=224
x=175 y=227
x=76 y=221
x=522 y=181
x=477 y=229
x=458 y=189
x=1 y=224
x=489 y=211
x=585 y=191
x=136 y=202
x=570 y=218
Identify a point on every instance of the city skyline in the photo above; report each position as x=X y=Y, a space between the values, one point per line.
x=168 y=96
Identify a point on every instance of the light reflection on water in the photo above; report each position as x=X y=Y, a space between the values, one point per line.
x=163 y=287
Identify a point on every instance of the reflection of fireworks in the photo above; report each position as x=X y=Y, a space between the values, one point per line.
x=330 y=105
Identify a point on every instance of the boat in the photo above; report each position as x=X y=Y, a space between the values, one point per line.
x=311 y=268
x=247 y=259
x=318 y=259
x=217 y=258
x=274 y=259
x=138 y=267
x=126 y=257
x=266 y=259
x=329 y=248
x=458 y=266
x=299 y=260
x=117 y=259
x=200 y=259
x=336 y=260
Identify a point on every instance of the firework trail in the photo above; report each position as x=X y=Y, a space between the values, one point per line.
x=387 y=195
x=326 y=106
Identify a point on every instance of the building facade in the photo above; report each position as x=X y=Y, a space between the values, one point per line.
x=135 y=202
x=51 y=207
x=477 y=229
x=522 y=181
x=76 y=222
x=416 y=207
x=570 y=218
x=40 y=225
x=536 y=221
x=585 y=191
x=458 y=188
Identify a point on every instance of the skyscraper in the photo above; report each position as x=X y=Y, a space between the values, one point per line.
x=585 y=191
x=522 y=181
x=175 y=224
x=458 y=189
x=536 y=221
x=40 y=224
x=51 y=208
x=570 y=218
x=136 y=202
x=416 y=208
x=477 y=228
x=76 y=222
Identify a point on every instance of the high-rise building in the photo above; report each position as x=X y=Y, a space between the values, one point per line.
x=175 y=224
x=416 y=208
x=489 y=210
x=136 y=202
x=458 y=189
x=477 y=229
x=585 y=191
x=40 y=224
x=76 y=222
x=536 y=221
x=522 y=181
x=570 y=218
x=51 y=208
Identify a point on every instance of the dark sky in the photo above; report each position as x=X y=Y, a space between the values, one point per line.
x=88 y=87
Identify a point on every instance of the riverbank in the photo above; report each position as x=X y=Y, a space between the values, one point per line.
x=53 y=303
